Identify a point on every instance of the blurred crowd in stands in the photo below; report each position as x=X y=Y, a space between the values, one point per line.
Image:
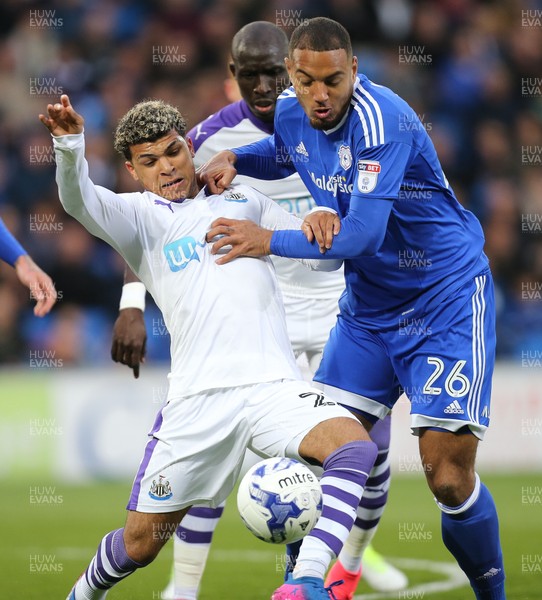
x=472 y=70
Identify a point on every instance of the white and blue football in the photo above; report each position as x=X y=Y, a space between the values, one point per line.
x=280 y=500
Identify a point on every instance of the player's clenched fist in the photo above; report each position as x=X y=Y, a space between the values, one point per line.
x=61 y=118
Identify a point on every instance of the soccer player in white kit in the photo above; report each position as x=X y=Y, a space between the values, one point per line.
x=234 y=383
x=310 y=298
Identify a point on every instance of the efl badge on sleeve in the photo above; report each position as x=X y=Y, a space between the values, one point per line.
x=368 y=171
x=345 y=157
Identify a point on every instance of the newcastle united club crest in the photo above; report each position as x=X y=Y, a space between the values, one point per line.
x=160 y=490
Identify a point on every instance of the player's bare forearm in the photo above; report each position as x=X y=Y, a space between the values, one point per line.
x=218 y=172
x=129 y=339
x=129 y=275
x=246 y=238
x=129 y=332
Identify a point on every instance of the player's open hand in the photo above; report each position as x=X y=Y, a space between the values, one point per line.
x=322 y=226
x=61 y=118
x=234 y=238
x=129 y=339
x=218 y=172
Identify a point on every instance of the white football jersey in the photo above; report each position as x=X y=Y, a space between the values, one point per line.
x=226 y=322
x=234 y=126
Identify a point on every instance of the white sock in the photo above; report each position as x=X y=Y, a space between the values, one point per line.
x=188 y=565
x=314 y=558
x=84 y=592
x=354 y=547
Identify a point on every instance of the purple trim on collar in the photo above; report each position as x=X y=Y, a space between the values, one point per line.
x=269 y=128
x=229 y=116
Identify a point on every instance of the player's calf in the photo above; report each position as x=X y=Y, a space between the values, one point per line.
x=346 y=469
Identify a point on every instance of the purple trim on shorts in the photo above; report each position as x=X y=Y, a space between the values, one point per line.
x=157 y=422
x=136 y=488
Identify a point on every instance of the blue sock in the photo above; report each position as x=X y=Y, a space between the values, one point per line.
x=471 y=534
x=292 y=550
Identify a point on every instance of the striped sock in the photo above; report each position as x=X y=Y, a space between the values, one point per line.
x=109 y=565
x=345 y=473
x=373 y=502
x=192 y=542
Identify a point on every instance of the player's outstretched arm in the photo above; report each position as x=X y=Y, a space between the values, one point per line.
x=41 y=286
x=129 y=334
x=218 y=172
x=61 y=118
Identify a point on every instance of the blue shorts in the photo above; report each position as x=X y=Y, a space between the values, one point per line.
x=443 y=361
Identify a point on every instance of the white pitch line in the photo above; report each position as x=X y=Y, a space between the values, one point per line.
x=455 y=579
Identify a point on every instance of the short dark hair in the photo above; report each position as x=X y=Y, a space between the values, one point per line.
x=257 y=33
x=147 y=121
x=320 y=35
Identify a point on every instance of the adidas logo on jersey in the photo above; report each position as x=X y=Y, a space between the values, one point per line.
x=454 y=408
x=300 y=149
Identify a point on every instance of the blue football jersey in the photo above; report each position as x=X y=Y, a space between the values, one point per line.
x=381 y=153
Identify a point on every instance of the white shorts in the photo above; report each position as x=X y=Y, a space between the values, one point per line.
x=198 y=442
x=309 y=322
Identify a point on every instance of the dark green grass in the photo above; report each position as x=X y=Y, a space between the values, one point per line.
x=44 y=547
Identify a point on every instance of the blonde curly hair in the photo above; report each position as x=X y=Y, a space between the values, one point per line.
x=146 y=122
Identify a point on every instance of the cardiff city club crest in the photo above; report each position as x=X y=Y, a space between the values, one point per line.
x=345 y=157
x=160 y=490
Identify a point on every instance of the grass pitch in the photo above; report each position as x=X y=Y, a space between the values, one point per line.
x=50 y=532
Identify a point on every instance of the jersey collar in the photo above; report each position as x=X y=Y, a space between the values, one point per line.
x=247 y=114
x=345 y=116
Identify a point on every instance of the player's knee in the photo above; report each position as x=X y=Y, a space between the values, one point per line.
x=143 y=544
x=450 y=486
x=330 y=435
x=142 y=551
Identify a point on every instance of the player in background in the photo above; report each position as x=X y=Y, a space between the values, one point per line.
x=418 y=312
x=310 y=299
x=252 y=397
x=41 y=286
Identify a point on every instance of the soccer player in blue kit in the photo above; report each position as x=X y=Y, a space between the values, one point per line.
x=418 y=311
